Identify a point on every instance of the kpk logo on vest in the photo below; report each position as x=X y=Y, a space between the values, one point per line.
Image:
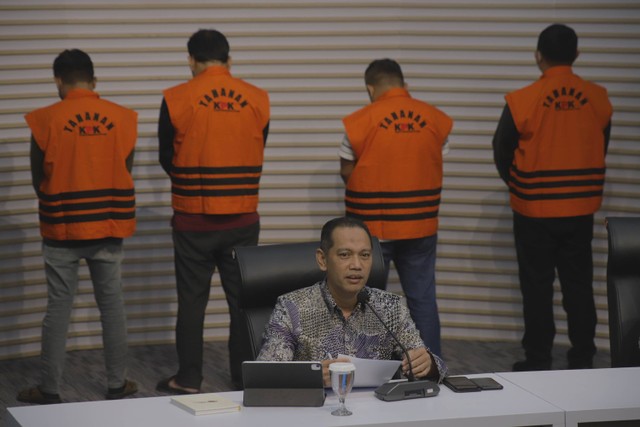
x=574 y=101
x=88 y=124
x=232 y=103
x=402 y=122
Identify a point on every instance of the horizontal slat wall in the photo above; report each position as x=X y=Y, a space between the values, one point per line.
x=462 y=56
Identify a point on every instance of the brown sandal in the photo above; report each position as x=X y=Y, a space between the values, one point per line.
x=35 y=395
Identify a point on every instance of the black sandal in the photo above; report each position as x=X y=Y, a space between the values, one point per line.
x=165 y=387
x=127 y=389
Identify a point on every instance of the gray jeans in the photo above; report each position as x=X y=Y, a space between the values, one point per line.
x=61 y=268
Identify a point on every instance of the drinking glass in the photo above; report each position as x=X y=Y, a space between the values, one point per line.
x=342 y=375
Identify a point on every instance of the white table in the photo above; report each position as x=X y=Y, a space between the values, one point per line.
x=590 y=395
x=512 y=406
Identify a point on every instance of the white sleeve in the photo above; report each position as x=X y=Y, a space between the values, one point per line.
x=346 y=152
x=445 y=147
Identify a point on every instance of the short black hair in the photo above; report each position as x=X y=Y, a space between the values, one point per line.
x=73 y=66
x=326 y=235
x=384 y=71
x=558 y=44
x=208 y=45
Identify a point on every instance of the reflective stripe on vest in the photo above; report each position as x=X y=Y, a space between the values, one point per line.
x=207 y=182
x=87 y=206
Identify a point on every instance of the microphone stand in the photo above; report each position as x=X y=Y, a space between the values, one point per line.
x=394 y=390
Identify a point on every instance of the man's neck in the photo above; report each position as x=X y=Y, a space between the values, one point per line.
x=200 y=67
x=64 y=90
x=380 y=90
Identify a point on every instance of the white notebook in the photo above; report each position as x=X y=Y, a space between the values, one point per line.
x=205 y=403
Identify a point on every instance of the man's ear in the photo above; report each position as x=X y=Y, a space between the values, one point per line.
x=371 y=91
x=538 y=56
x=321 y=260
x=94 y=82
x=62 y=91
x=228 y=63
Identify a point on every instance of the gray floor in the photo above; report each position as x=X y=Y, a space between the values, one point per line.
x=84 y=371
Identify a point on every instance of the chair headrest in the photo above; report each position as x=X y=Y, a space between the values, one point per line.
x=272 y=270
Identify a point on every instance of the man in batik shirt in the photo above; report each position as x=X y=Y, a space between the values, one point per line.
x=324 y=320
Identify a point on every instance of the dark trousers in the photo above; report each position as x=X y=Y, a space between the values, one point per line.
x=196 y=256
x=544 y=245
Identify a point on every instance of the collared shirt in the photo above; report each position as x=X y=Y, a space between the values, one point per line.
x=307 y=324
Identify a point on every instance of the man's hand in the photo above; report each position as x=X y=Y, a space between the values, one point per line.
x=420 y=362
x=326 y=374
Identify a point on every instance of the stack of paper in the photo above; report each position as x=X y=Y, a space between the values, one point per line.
x=372 y=372
x=205 y=403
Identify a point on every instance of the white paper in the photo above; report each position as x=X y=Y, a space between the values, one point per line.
x=371 y=372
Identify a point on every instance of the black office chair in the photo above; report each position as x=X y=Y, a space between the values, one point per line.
x=623 y=290
x=273 y=270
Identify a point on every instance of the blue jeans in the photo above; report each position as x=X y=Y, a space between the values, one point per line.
x=415 y=261
x=61 y=268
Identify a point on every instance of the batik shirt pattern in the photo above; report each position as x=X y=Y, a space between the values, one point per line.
x=306 y=324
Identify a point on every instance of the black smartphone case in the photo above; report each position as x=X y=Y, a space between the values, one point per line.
x=461 y=384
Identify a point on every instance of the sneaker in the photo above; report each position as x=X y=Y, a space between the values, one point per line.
x=35 y=395
x=127 y=389
x=530 y=365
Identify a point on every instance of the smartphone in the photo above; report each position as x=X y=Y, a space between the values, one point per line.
x=486 y=383
x=461 y=384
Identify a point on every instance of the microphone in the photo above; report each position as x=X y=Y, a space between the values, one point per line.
x=397 y=389
x=363 y=299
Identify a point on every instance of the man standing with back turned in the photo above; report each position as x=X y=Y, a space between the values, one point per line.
x=81 y=158
x=212 y=131
x=391 y=163
x=550 y=148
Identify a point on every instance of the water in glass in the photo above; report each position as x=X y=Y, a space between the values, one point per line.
x=342 y=376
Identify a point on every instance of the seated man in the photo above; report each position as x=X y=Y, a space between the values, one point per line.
x=321 y=321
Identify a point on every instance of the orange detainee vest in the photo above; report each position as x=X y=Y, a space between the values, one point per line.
x=558 y=168
x=396 y=183
x=87 y=192
x=218 y=144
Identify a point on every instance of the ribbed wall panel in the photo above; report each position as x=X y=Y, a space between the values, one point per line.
x=461 y=56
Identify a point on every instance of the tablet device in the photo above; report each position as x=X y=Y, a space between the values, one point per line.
x=282 y=384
